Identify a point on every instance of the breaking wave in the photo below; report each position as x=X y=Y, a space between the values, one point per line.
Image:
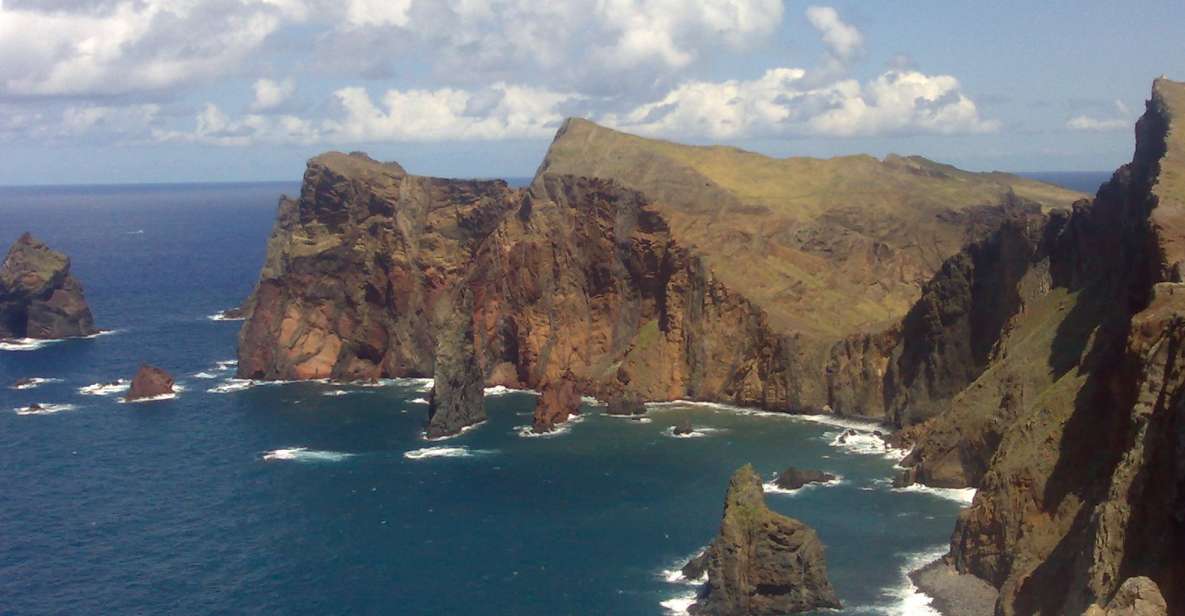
x=444 y=452
x=43 y=409
x=304 y=454
x=33 y=382
x=115 y=387
x=963 y=496
x=772 y=488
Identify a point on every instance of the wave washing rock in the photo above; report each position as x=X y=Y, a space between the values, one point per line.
x=38 y=296
x=150 y=382
x=1072 y=425
x=458 y=397
x=559 y=400
x=761 y=562
x=794 y=478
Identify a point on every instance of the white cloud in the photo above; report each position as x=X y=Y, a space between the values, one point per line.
x=842 y=40
x=271 y=94
x=377 y=12
x=1122 y=120
x=783 y=103
x=506 y=112
x=130 y=46
x=214 y=127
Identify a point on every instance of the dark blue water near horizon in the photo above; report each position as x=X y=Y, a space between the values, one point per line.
x=323 y=499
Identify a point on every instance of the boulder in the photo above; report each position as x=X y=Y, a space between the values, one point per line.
x=150 y=382
x=684 y=427
x=761 y=562
x=38 y=296
x=794 y=478
x=625 y=403
x=1137 y=596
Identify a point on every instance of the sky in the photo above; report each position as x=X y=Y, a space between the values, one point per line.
x=129 y=91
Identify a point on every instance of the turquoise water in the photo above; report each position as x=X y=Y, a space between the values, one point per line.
x=303 y=499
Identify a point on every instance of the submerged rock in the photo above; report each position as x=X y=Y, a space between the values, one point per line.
x=684 y=427
x=38 y=296
x=150 y=382
x=22 y=384
x=559 y=400
x=458 y=398
x=761 y=562
x=794 y=478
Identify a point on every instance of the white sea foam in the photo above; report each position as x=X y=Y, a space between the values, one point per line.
x=963 y=496
x=172 y=396
x=105 y=389
x=231 y=386
x=865 y=443
x=303 y=454
x=680 y=604
x=335 y=392
x=674 y=573
x=24 y=344
x=226 y=364
x=772 y=488
x=695 y=432
x=560 y=429
x=906 y=599
x=221 y=316
x=33 y=382
x=444 y=452
x=499 y=390
x=419 y=401
x=43 y=409
x=204 y=375
x=591 y=401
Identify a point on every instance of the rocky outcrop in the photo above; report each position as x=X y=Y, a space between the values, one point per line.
x=1138 y=596
x=761 y=562
x=38 y=296
x=794 y=478
x=1072 y=429
x=458 y=398
x=558 y=401
x=149 y=382
x=625 y=403
x=572 y=277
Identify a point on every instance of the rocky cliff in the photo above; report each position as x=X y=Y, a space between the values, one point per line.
x=38 y=296
x=761 y=562
x=573 y=278
x=640 y=269
x=1068 y=413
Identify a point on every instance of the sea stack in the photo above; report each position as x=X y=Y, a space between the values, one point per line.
x=458 y=396
x=559 y=400
x=38 y=296
x=761 y=563
x=150 y=382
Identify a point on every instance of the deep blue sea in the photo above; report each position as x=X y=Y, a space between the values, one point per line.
x=323 y=499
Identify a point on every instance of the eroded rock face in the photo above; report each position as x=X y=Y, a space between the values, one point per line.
x=38 y=296
x=572 y=277
x=761 y=562
x=149 y=382
x=1074 y=429
x=457 y=399
x=558 y=401
x=1138 y=596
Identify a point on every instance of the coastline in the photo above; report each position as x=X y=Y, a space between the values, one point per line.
x=953 y=593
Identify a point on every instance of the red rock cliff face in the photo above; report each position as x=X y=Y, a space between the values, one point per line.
x=1074 y=429
x=572 y=277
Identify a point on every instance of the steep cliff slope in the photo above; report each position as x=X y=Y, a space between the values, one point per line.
x=1071 y=418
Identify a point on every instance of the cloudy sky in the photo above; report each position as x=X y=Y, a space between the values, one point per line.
x=208 y=90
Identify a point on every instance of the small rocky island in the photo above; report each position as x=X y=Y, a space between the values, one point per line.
x=794 y=478
x=150 y=382
x=762 y=562
x=559 y=400
x=38 y=296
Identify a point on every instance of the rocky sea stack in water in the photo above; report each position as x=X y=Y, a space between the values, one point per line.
x=794 y=478
x=458 y=396
x=761 y=563
x=559 y=400
x=38 y=296
x=150 y=382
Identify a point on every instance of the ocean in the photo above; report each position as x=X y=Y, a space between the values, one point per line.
x=316 y=498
